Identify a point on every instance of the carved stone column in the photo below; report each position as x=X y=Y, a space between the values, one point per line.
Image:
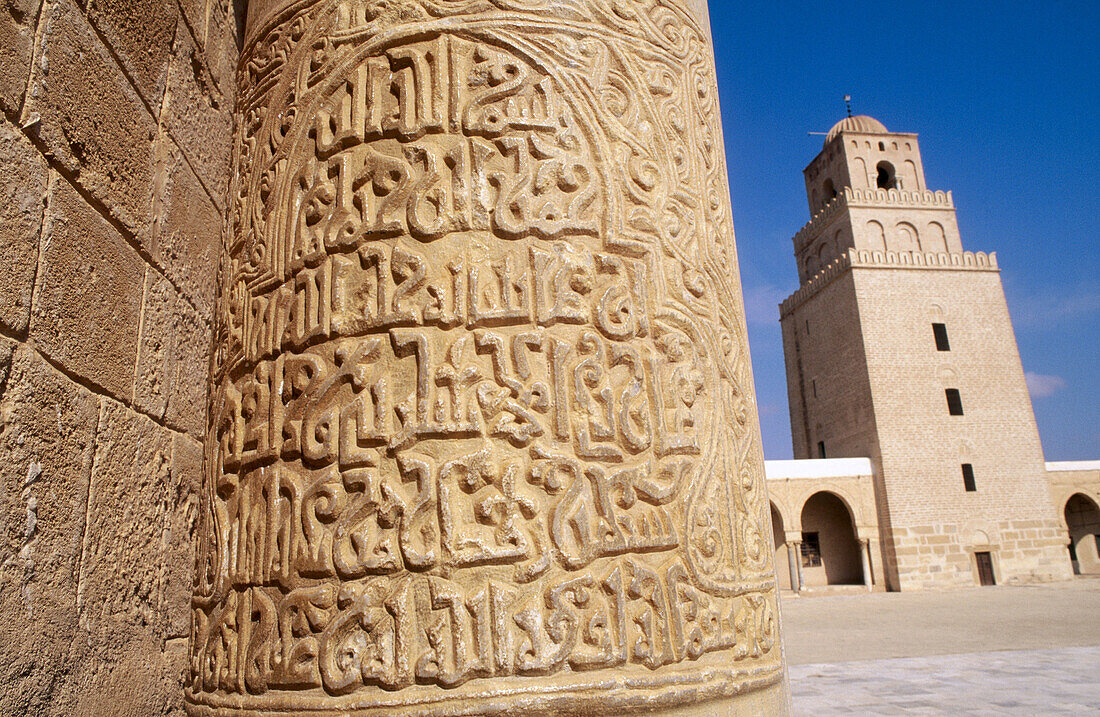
x=482 y=430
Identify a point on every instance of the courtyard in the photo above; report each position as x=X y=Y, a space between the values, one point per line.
x=991 y=650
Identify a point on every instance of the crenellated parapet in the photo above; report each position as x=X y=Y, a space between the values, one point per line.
x=867 y=259
x=976 y=260
x=853 y=197
x=898 y=198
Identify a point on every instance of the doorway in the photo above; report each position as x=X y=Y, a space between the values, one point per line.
x=985 y=568
x=830 y=551
x=1083 y=523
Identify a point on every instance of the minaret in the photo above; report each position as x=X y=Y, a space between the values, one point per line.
x=899 y=347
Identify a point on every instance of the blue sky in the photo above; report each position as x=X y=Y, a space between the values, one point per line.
x=1006 y=99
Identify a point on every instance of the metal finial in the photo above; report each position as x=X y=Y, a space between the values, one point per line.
x=848 y=104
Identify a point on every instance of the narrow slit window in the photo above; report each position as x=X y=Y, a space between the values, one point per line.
x=821 y=449
x=954 y=402
x=968 y=477
x=940 y=332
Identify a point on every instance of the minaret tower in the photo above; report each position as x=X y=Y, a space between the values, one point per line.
x=899 y=347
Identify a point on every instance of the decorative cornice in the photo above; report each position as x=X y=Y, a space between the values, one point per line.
x=886 y=198
x=868 y=259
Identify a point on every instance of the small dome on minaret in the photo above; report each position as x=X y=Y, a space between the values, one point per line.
x=859 y=123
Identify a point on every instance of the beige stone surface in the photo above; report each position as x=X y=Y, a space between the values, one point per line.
x=224 y=27
x=196 y=115
x=123 y=573
x=107 y=144
x=18 y=19
x=47 y=429
x=21 y=204
x=173 y=356
x=88 y=299
x=482 y=433
x=184 y=495
x=187 y=229
x=140 y=32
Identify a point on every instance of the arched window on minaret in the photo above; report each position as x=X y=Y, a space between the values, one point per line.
x=829 y=191
x=887 y=177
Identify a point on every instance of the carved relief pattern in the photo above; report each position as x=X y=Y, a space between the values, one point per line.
x=482 y=399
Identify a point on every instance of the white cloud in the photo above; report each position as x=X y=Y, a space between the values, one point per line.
x=1046 y=310
x=1041 y=386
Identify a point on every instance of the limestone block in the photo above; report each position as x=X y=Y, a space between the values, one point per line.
x=197 y=116
x=194 y=13
x=47 y=429
x=183 y=508
x=7 y=346
x=90 y=118
x=88 y=299
x=132 y=674
x=17 y=22
x=221 y=48
x=140 y=32
x=22 y=192
x=123 y=570
x=173 y=357
x=187 y=401
x=187 y=229
x=482 y=435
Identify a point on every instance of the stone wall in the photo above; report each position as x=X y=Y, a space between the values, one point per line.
x=935 y=524
x=114 y=143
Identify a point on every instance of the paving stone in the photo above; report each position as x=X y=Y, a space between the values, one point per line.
x=47 y=429
x=89 y=117
x=89 y=295
x=17 y=22
x=971 y=683
x=22 y=190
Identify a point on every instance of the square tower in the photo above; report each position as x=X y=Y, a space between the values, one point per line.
x=899 y=347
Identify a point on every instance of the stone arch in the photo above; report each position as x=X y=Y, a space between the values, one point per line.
x=825 y=253
x=860 y=171
x=828 y=191
x=886 y=175
x=912 y=179
x=1082 y=517
x=935 y=239
x=907 y=237
x=828 y=524
x=782 y=561
x=876 y=236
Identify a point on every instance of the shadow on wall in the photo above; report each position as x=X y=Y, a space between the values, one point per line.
x=830 y=551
